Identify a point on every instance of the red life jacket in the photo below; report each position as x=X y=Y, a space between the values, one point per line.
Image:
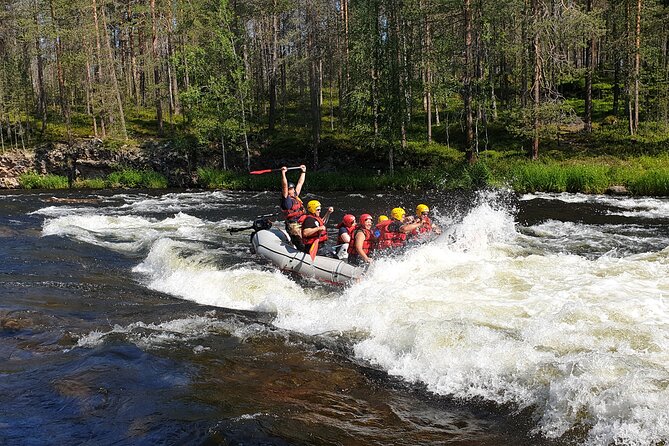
x=321 y=236
x=425 y=227
x=296 y=210
x=389 y=239
x=350 y=230
x=366 y=245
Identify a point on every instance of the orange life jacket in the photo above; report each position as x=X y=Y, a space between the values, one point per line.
x=321 y=236
x=389 y=239
x=366 y=245
x=296 y=210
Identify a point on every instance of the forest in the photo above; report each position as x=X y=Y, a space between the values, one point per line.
x=398 y=76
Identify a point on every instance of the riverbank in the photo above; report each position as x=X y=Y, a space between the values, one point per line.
x=641 y=176
x=571 y=167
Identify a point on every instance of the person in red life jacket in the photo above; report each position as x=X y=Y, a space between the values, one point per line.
x=363 y=241
x=313 y=226
x=291 y=205
x=377 y=229
x=422 y=211
x=394 y=231
x=345 y=232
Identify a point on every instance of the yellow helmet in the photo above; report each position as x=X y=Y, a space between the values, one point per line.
x=422 y=208
x=313 y=205
x=397 y=213
x=381 y=218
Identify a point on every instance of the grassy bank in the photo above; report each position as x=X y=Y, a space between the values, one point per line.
x=643 y=175
x=126 y=178
x=640 y=176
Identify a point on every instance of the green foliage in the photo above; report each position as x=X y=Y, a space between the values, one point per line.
x=129 y=178
x=641 y=175
x=221 y=179
x=421 y=153
x=32 y=180
x=90 y=183
x=653 y=182
x=590 y=179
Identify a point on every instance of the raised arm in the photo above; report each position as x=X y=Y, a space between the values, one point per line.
x=326 y=217
x=300 y=181
x=284 y=182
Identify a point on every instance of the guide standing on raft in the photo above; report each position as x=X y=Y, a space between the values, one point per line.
x=292 y=206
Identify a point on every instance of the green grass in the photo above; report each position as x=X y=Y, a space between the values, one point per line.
x=210 y=178
x=640 y=175
x=90 y=183
x=129 y=178
x=34 y=181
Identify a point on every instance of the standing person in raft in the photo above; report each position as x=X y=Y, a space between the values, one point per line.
x=291 y=205
x=363 y=240
x=313 y=226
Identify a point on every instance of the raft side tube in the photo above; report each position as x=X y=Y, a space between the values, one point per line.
x=274 y=245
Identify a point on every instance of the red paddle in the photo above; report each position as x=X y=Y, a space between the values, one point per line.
x=313 y=250
x=258 y=172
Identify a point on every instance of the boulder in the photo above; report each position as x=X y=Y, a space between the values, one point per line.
x=617 y=190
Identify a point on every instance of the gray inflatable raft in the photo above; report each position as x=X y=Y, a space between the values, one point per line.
x=274 y=245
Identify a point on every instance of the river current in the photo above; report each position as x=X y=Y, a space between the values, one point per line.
x=138 y=318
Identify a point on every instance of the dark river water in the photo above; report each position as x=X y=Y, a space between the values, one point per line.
x=137 y=318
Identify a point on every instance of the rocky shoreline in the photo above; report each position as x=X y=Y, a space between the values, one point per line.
x=88 y=159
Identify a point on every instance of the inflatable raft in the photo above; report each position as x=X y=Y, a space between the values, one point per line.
x=274 y=245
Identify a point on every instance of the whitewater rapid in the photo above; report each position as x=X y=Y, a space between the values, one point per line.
x=561 y=318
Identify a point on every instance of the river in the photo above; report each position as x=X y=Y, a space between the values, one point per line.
x=135 y=317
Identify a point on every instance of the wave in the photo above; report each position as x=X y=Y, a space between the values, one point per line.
x=536 y=318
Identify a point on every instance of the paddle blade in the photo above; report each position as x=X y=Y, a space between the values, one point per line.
x=258 y=172
x=313 y=250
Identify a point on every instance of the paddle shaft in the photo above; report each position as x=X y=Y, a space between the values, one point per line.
x=258 y=172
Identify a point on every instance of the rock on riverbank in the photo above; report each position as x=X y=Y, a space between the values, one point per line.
x=86 y=159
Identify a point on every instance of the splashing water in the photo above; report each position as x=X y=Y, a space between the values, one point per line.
x=577 y=333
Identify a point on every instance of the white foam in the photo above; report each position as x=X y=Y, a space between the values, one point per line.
x=486 y=311
x=579 y=340
x=197 y=278
x=163 y=334
x=124 y=233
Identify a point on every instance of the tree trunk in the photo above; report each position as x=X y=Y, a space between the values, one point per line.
x=589 y=69
x=536 y=90
x=467 y=85
x=637 y=65
x=97 y=74
x=156 y=68
x=314 y=82
x=41 y=90
x=65 y=109
x=133 y=56
x=112 y=72
x=174 y=85
x=616 y=74
x=273 y=69
x=428 y=75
